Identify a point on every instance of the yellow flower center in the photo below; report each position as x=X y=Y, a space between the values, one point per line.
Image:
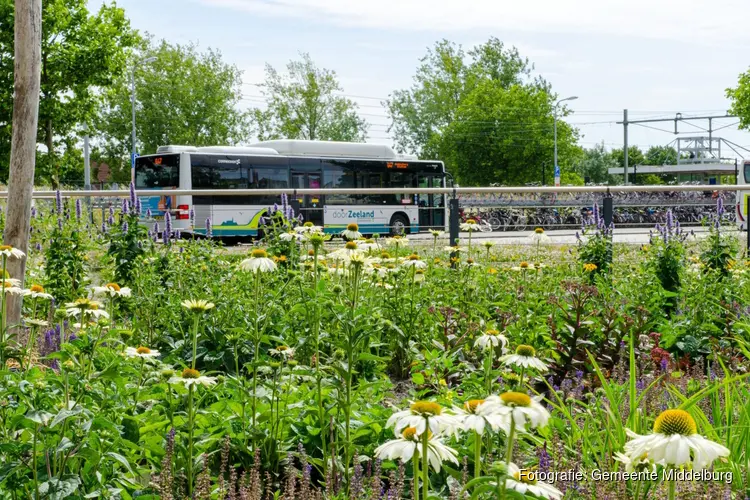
x=282 y=258
x=311 y=253
x=282 y=348
x=675 y=422
x=419 y=271
x=385 y=255
x=369 y=241
x=308 y=224
x=390 y=266
x=6 y=284
x=524 y=265
x=589 y=267
x=352 y=227
x=37 y=288
x=515 y=399
x=426 y=408
x=493 y=332
x=472 y=405
x=492 y=270
x=539 y=230
x=414 y=257
x=525 y=350
x=469 y=261
x=471 y=221
x=259 y=253
x=351 y=245
x=398 y=237
x=113 y=286
x=410 y=434
x=143 y=350
x=190 y=373
x=5 y=247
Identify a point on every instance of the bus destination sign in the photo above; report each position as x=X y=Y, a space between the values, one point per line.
x=397 y=165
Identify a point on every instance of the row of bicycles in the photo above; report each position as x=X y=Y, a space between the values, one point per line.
x=689 y=208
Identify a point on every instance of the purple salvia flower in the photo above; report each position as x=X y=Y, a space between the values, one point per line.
x=192 y=216
x=125 y=207
x=208 y=227
x=670 y=220
x=59 y=224
x=33 y=212
x=168 y=222
x=132 y=194
x=275 y=208
x=284 y=203
x=125 y=227
x=165 y=237
x=38 y=247
x=138 y=206
x=148 y=213
x=177 y=234
x=156 y=227
x=58 y=202
x=149 y=234
x=300 y=218
x=720 y=206
x=104 y=227
x=78 y=209
x=111 y=220
x=545 y=461
x=596 y=212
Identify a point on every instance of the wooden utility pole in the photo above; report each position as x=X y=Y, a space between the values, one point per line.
x=28 y=55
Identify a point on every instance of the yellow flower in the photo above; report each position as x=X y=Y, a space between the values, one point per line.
x=492 y=270
x=589 y=267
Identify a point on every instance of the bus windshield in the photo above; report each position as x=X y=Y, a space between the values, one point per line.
x=157 y=172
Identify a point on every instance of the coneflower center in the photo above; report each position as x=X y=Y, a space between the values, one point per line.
x=385 y=255
x=525 y=350
x=414 y=257
x=426 y=408
x=190 y=373
x=352 y=227
x=516 y=399
x=524 y=265
x=472 y=405
x=351 y=245
x=539 y=230
x=259 y=253
x=675 y=422
x=5 y=247
x=37 y=288
x=525 y=478
x=493 y=332
x=143 y=350
x=282 y=348
x=308 y=224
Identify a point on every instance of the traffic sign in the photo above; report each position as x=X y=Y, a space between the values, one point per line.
x=557 y=175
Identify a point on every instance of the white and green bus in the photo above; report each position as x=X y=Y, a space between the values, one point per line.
x=292 y=164
x=743 y=193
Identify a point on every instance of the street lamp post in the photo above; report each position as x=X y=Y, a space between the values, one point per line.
x=132 y=101
x=572 y=98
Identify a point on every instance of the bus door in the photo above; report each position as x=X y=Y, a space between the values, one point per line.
x=431 y=206
x=311 y=206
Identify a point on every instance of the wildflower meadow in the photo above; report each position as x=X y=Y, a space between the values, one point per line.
x=155 y=365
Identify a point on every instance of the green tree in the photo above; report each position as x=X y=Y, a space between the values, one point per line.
x=445 y=76
x=502 y=135
x=81 y=54
x=595 y=165
x=182 y=97
x=740 y=100
x=303 y=104
x=661 y=155
x=635 y=157
x=483 y=113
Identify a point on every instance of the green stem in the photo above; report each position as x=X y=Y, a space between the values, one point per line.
x=672 y=488
x=477 y=454
x=34 y=466
x=520 y=382
x=511 y=436
x=2 y=313
x=415 y=473
x=195 y=339
x=138 y=388
x=425 y=471
x=190 y=442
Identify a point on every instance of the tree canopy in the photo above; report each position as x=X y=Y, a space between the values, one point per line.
x=304 y=103
x=81 y=54
x=482 y=113
x=182 y=97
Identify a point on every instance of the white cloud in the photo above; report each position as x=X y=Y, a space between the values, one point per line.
x=662 y=19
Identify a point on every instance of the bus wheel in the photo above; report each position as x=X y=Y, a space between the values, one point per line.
x=399 y=225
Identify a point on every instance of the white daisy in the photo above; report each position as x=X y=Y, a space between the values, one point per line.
x=308 y=227
x=517 y=407
x=421 y=414
x=474 y=420
x=290 y=235
x=37 y=292
x=351 y=232
x=283 y=351
x=397 y=241
x=470 y=226
x=674 y=442
x=538 y=237
x=408 y=445
x=419 y=276
x=141 y=352
x=36 y=322
x=10 y=282
x=85 y=307
x=10 y=252
x=490 y=339
x=436 y=234
x=113 y=290
x=523 y=266
x=197 y=305
x=13 y=290
x=525 y=483
x=191 y=377
x=414 y=260
x=259 y=262
x=525 y=357
x=633 y=465
x=454 y=249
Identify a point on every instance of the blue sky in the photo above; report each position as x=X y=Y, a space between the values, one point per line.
x=654 y=57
